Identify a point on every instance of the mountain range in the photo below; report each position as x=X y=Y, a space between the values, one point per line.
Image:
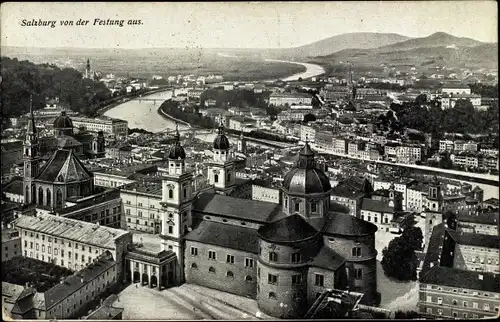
x=365 y=48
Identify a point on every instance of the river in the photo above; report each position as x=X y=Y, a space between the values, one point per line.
x=143 y=114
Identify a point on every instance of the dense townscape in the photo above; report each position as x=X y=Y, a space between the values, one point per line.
x=313 y=197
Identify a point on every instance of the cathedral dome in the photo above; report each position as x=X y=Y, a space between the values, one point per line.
x=305 y=178
x=221 y=142
x=177 y=152
x=63 y=121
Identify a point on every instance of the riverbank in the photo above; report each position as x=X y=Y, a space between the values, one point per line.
x=162 y=113
x=126 y=99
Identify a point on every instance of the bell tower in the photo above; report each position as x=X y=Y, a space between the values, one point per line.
x=177 y=199
x=31 y=158
x=221 y=170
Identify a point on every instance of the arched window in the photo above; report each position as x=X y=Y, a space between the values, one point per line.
x=194 y=266
x=59 y=198
x=170 y=193
x=40 y=196
x=211 y=270
x=272 y=295
x=216 y=178
x=248 y=278
x=33 y=193
x=273 y=257
x=229 y=274
x=48 y=197
x=27 y=195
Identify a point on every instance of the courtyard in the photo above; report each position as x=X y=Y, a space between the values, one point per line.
x=185 y=302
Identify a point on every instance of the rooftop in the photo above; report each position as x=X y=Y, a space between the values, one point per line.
x=151 y=187
x=376 y=206
x=71 y=284
x=242 y=209
x=76 y=230
x=286 y=230
x=227 y=236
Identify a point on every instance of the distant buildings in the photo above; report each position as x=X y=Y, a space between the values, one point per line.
x=110 y=126
x=282 y=99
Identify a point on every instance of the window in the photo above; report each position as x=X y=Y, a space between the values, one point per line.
x=273 y=257
x=297 y=206
x=486 y=307
x=465 y=303
x=170 y=229
x=297 y=279
x=258 y=271
x=49 y=250
x=356 y=252
x=313 y=207
x=358 y=273
x=185 y=193
x=31 y=244
x=272 y=279
x=429 y=298
x=475 y=305
x=248 y=262
x=37 y=246
x=440 y=300
x=194 y=251
x=170 y=193
x=211 y=270
x=212 y=255
x=194 y=266
x=454 y=302
x=272 y=295
x=429 y=310
x=230 y=259
x=216 y=178
x=319 y=280
x=230 y=274
x=139 y=213
x=295 y=257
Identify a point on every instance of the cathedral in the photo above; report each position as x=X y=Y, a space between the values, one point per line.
x=284 y=256
x=81 y=142
x=62 y=176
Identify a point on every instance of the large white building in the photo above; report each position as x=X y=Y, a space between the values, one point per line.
x=108 y=125
x=282 y=99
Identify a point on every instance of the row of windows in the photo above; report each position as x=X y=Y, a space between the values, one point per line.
x=475 y=305
x=49 y=249
x=455 y=314
x=296 y=206
x=375 y=219
x=230 y=274
x=229 y=258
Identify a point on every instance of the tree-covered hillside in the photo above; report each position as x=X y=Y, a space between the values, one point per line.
x=20 y=79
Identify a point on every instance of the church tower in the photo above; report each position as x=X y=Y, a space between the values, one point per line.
x=177 y=198
x=221 y=170
x=242 y=144
x=87 y=69
x=433 y=210
x=31 y=158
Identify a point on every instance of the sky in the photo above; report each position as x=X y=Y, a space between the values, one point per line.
x=239 y=24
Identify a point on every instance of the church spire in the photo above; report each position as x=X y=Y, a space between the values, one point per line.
x=306 y=157
x=31 y=130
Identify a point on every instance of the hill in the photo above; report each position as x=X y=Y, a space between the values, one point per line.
x=437 y=49
x=438 y=39
x=361 y=40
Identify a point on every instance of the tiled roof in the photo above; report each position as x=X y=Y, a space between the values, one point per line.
x=486 y=218
x=76 y=230
x=438 y=269
x=376 y=206
x=242 y=209
x=71 y=284
x=289 y=229
x=66 y=165
x=347 y=225
x=227 y=236
x=327 y=258
x=488 y=241
x=446 y=276
x=14 y=187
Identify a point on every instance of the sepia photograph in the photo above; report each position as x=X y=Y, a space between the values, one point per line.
x=260 y=160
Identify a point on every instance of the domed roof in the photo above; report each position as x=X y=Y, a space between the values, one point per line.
x=177 y=152
x=221 y=142
x=306 y=178
x=289 y=229
x=63 y=121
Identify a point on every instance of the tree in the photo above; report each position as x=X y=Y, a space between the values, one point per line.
x=421 y=99
x=445 y=162
x=414 y=237
x=399 y=260
x=309 y=118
